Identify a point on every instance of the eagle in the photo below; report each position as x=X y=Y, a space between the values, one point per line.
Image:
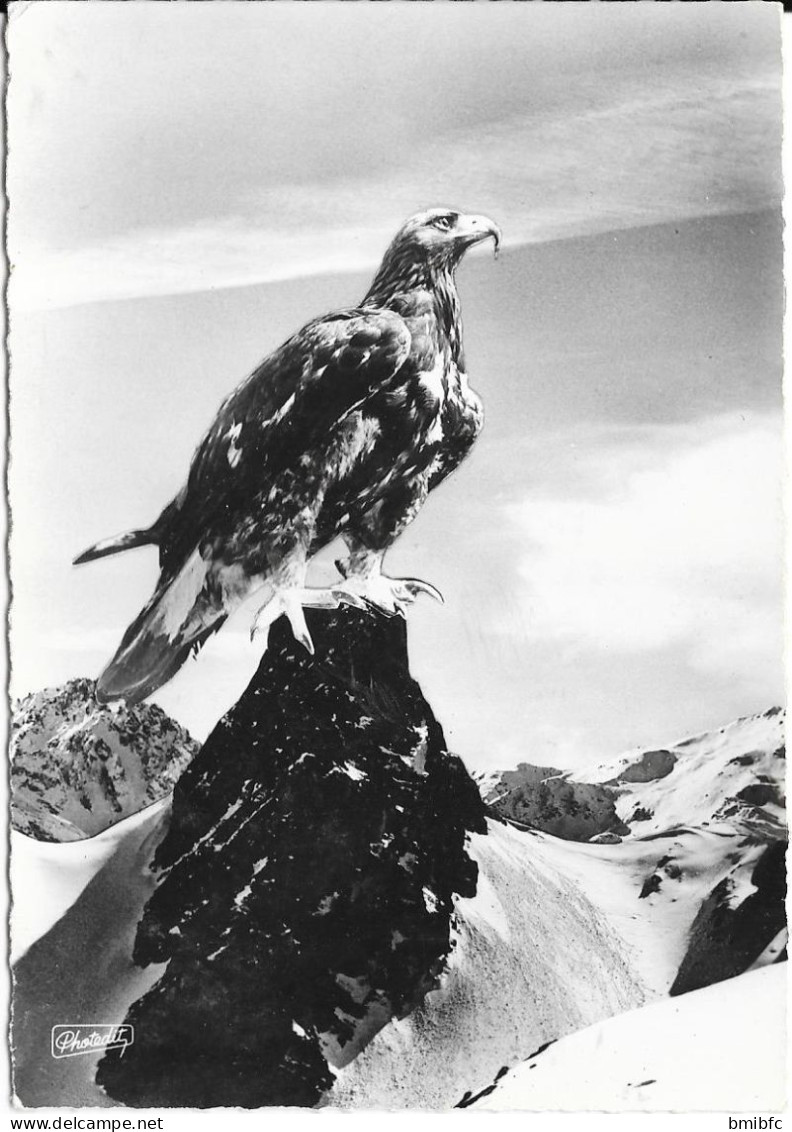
x=341 y=431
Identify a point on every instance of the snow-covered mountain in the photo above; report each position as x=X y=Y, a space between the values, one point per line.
x=78 y=767
x=733 y=776
x=327 y=897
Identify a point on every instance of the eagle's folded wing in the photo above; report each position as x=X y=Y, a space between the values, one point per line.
x=297 y=394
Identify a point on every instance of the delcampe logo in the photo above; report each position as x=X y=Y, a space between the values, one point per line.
x=87 y=1037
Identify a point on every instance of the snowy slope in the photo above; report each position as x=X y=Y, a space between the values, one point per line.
x=47 y=877
x=78 y=767
x=557 y=933
x=81 y=969
x=713 y=1050
x=535 y=957
x=652 y=890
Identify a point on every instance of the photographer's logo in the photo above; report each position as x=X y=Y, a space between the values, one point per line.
x=88 y=1037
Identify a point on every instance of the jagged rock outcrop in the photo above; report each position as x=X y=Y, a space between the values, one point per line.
x=732 y=929
x=78 y=767
x=306 y=881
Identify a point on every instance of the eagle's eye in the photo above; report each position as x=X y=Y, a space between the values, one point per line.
x=444 y=223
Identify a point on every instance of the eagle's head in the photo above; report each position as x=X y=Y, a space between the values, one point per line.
x=443 y=235
x=428 y=247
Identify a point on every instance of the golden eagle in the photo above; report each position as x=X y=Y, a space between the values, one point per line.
x=343 y=430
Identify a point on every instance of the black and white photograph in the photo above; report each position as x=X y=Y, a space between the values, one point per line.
x=395 y=491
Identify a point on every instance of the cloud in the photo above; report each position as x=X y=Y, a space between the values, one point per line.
x=162 y=261
x=693 y=146
x=675 y=540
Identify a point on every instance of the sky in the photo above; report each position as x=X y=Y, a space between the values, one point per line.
x=190 y=183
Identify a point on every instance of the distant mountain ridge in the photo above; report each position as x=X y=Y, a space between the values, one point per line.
x=734 y=775
x=78 y=767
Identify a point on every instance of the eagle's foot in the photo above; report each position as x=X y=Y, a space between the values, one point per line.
x=283 y=603
x=290 y=603
x=389 y=595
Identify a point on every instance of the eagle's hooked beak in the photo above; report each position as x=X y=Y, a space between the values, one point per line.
x=474 y=229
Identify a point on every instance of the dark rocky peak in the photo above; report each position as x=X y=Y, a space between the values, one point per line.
x=307 y=880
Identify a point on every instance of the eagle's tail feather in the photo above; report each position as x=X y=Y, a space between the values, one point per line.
x=116 y=544
x=179 y=618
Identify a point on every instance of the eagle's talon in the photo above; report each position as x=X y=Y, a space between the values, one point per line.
x=376 y=591
x=264 y=619
x=296 y=618
x=260 y=628
x=415 y=586
x=289 y=603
